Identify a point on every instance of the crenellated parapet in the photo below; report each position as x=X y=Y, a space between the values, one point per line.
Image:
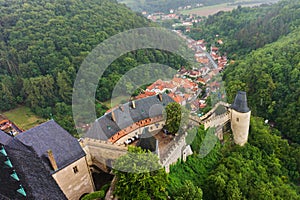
x=218 y=120
x=213 y=110
x=179 y=150
x=238 y=114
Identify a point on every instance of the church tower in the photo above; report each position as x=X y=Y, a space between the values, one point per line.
x=240 y=118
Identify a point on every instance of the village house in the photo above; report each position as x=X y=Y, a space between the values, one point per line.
x=160 y=86
x=222 y=62
x=202 y=59
x=145 y=94
x=204 y=70
x=194 y=73
x=179 y=98
x=9 y=127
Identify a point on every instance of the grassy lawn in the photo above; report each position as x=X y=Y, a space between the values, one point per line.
x=23 y=117
x=210 y=10
x=116 y=101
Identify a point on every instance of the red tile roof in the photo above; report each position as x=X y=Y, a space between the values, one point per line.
x=176 y=98
x=145 y=94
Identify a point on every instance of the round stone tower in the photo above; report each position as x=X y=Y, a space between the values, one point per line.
x=240 y=118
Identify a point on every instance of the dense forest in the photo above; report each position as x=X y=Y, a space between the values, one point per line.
x=245 y=29
x=271 y=77
x=267 y=167
x=43 y=43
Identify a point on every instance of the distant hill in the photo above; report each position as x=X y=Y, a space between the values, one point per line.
x=245 y=29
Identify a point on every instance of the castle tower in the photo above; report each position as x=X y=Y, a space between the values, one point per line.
x=240 y=118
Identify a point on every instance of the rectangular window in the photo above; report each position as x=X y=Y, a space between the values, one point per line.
x=75 y=169
x=237 y=119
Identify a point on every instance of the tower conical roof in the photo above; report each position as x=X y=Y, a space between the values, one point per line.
x=240 y=103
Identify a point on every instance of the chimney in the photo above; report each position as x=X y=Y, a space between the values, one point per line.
x=160 y=97
x=133 y=104
x=113 y=117
x=52 y=159
x=121 y=108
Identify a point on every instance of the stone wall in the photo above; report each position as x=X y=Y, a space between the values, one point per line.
x=209 y=113
x=178 y=151
x=218 y=120
x=102 y=153
x=75 y=179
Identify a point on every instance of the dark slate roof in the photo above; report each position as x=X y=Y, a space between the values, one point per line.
x=4 y=138
x=33 y=176
x=105 y=127
x=49 y=135
x=240 y=102
x=148 y=142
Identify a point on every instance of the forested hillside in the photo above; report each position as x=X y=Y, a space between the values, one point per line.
x=267 y=167
x=271 y=77
x=43 y=43
x=245 y=29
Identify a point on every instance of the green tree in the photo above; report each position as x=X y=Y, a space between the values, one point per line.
x=7 y=99
x=188 y=192
x=141 y=177
x=174 y=116
x=64 y=83
x=39 y=91
x=95 y=195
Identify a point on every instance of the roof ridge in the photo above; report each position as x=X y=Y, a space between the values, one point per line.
x=37 y=126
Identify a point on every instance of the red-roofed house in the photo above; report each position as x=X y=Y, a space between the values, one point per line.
x=194 y=73
x=145 y=94
x=178 y=98
x=201 y=80
x=200 y=42
x=220 y=42
x=188 y=85
x=160 y=86
x=214 y=48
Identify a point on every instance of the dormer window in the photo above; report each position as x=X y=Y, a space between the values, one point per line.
x=75 y=169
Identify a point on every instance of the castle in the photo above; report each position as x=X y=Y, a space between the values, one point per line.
x=237 y=115
x=46 y=162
